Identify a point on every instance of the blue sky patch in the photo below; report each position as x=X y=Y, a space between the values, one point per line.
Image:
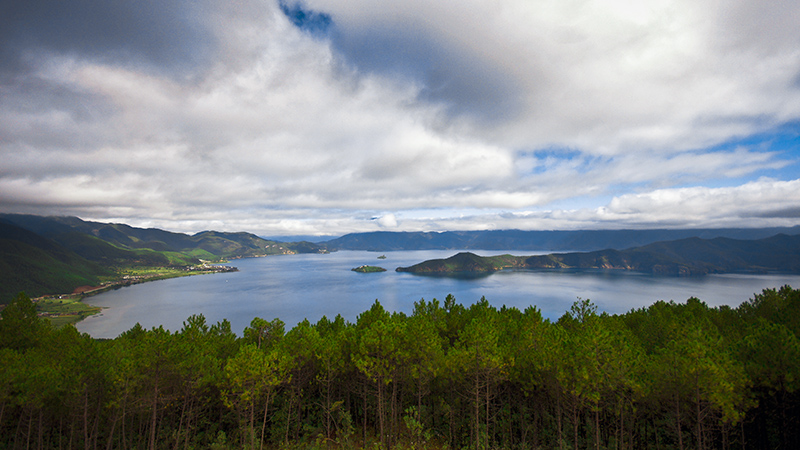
x=783 y=140
x=316 y=23
x=544 y=160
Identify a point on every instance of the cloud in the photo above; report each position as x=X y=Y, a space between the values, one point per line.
x=605 y=77
x=387 y=221
x=761 y=203
x=314 y=117
x=717 y=206
x=164 y=35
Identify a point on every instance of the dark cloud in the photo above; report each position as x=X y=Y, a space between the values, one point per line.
x=167 y=35
x=446 y=72
x=784 y=213
x=36 y=99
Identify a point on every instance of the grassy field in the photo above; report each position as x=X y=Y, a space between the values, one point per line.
x=65 y=309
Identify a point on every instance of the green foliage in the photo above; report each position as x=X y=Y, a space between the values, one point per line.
x=39 y=266
x=368 y=269
x=684 y=257
x=20 y=327
x=673 y=375
x=54 y=255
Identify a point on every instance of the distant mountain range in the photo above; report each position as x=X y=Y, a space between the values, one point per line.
x=549 y=241
x=684 y=257
x=53 y=255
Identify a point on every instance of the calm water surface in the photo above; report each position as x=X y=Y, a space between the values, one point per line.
x=298 y=287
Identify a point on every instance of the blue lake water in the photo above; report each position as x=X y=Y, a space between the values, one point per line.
x=297 y=287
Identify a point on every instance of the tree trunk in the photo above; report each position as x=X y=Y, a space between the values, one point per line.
x=189 y=417
x=86 y=418
x=96 y=425
x=699 y=423
x=621 y=445
x=110 y=440
x=487 y=412
x=264 y=422
x=364 y=415
x=477 y=411
x=328 y=404
x=597 y=427
x=575 y=424
x=154 y=417
x=40 y=433
x=252 y=423
x=180 y=422
x=559 y=417
x=394 y=412
x=288 y=419
x=381 y=414
x=678 y=422
x=28 y=434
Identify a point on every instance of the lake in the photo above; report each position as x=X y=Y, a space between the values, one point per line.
x=297 y=287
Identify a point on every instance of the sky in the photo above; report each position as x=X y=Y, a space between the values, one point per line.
x=325 y=117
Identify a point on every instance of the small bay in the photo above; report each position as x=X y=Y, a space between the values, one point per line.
x=308 y=286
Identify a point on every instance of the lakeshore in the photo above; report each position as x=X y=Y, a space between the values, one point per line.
x=63 y=309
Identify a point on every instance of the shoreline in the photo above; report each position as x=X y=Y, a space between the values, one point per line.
x=64 y=309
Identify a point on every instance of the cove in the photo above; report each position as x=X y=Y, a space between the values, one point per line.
x=309 y=286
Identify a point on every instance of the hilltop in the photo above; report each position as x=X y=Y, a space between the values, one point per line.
x=55 y=255
x=692 y=256
x=544 y=240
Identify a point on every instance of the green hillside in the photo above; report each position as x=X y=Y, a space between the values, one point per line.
x=38 y=266
x=692 y=256
x=54 y=255
x=466 y=262
x=152 y=245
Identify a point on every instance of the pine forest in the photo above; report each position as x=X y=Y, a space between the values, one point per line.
x=447 y=376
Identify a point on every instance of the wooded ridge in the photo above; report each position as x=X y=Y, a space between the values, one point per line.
x=542 y=240
x=685 y=257
x=55 y=255
x=669 y=376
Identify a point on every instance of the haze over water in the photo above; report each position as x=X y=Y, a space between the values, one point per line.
x=297 y=287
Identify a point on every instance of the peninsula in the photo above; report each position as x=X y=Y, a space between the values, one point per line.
x=684 y=257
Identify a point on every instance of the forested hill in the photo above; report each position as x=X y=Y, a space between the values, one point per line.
x=692 y=256
x=578 y=240
x=32 y=263
x=54 y=255
x=210 y=243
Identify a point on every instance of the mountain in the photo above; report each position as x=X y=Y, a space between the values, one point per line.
x=579 y=240
x=691 y=256
x=87 y=238
x=55 y=255
x=39 y=266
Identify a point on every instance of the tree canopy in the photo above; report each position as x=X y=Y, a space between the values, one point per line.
x=671 y=375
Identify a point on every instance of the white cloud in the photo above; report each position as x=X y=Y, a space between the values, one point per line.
x=387 y=221
x=609 y=77
x=730 y=206
x=530 y=105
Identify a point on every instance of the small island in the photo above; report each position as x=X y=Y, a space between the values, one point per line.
x=368 y=269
